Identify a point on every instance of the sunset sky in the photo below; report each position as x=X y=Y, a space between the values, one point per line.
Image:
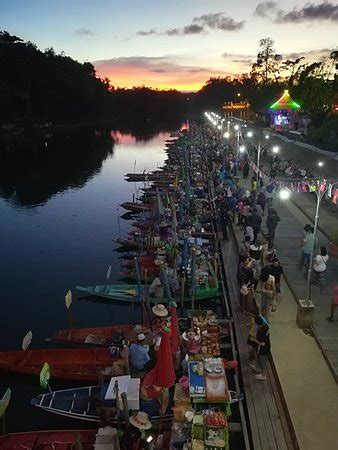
x=172 y=44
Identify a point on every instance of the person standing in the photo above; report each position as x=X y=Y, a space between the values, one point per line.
x=262 y=347
x=138 y=354
x=268 y=293
x=276 y=270
x=245 y=169
x=319 y=264
x=307 y=244
x=255 y=221
x=271 y=223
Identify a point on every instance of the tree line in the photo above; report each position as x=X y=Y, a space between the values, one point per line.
x=46 y=86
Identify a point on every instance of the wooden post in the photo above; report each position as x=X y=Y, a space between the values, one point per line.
x=182 y=290
x=125 y=408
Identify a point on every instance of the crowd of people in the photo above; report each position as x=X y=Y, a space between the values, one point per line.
x=260 y=274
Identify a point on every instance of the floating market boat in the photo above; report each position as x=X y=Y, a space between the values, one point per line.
x=46 y=440
x=85 y=364
x=98 y=336
x=137 y=207
x=127 y=293
x=85 y=403
x=131 y=243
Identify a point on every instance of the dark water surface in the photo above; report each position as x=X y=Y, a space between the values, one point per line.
x=59 y=208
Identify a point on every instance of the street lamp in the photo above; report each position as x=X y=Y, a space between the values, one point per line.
x=321 y=187
x=320 y=164
x=249 y=134
x=275 y=149
x=284 y=194
x=259 y=148
x=242 y=149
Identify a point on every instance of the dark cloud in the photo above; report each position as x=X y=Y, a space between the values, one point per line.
x=157 y=64
x=85 y=32
x=193 y=29
x=199 y=25
x=146 y=32
x=310 y=12
x=218 y=21
x=314 y=53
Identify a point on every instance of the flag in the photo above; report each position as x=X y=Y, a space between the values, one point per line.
x=27 y=340
x=68 y=299
x=4 y=402
x=45 y=375
x=108 y=272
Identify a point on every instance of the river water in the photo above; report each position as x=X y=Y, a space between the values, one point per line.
x=59 y=209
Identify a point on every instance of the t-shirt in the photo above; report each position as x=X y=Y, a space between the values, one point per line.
x=276 y=271
x=138 y=356
x=321 y=263
x=308 y=240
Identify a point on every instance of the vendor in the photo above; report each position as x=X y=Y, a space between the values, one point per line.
x=138 y=354
x=158 y=322
x=134 y=437
x=192 y=341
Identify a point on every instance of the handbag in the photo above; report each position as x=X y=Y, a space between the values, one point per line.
x=244 y=289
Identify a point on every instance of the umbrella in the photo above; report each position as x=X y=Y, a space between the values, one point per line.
x=163 y=374
x=174 y=330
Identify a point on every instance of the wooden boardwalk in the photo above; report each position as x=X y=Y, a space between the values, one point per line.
x=287 y=241
x=270 y=424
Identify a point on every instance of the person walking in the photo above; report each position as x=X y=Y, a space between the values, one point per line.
x=307 y=245
x=244 y=247
x=224 y=218
x=271 y=223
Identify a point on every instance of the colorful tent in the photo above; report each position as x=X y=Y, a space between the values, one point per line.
x=285 y=103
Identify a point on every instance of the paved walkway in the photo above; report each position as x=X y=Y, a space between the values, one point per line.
x=309 y=389
x=287 y=242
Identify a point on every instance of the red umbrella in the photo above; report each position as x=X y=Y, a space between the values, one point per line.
x=174 y=330
x=163 y=374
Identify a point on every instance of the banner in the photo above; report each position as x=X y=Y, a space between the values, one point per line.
x=4 y=402
x=68 y=299
x=45 y=375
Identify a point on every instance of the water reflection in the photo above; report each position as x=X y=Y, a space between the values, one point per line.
x=37 y=168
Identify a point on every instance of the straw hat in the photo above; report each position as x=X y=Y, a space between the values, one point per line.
x=163 y=224
x=141 y=337
x=140 y=420
x=159 y=310
x=190 y=336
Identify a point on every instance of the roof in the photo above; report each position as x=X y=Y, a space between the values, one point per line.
x=285 y=102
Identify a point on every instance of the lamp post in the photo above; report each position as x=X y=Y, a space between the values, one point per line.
x=306 y=307
x=259 y=149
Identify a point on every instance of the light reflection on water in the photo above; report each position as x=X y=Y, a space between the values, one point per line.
x=58 y=215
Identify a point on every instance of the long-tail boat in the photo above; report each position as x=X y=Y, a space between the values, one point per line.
x=98 y=336
x=128 y=293
x=84 y=364
x=47 y=440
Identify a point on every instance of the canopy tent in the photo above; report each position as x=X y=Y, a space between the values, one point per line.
x=284 y=113
x=285 y=103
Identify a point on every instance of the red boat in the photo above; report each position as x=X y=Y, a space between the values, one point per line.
x=47 y=440
x=98 y=336
x=81 y=364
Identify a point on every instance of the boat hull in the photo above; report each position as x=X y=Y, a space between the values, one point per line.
x=85 y=364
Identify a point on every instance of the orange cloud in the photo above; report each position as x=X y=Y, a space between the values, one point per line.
x=157 y=72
